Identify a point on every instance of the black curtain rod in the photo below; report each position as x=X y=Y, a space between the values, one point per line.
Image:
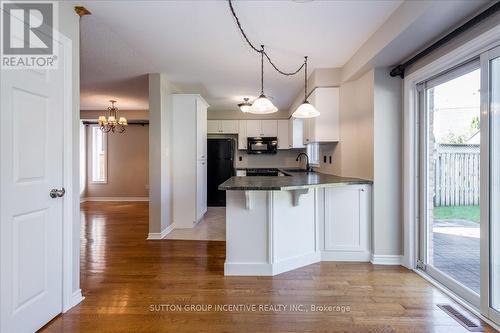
x=399 y=70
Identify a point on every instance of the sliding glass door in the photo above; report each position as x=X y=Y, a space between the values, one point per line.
x=490 y=66
x=450 y=179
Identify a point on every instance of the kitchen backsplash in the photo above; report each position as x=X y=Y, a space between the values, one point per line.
x=284 y=158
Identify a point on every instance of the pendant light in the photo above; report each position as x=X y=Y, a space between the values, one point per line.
x=262 y=105
x=245 y=105
x=306 y=109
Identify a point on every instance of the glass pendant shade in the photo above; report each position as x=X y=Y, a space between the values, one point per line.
x=245 y=105
x=262 y=105
x=245 y=108
x=306 y=110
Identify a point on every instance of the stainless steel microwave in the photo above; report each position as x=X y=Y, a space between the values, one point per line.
x=262 y=145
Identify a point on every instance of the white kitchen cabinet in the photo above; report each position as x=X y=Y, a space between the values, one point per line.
x=283 y=135
x=213 y=126
x=229 y=126
x=188 y=157
x=257 y=128
x=254 y=128
x=325 y=127
x=242 y=134
x=347 y=222
x=270 y=128
x=222 y=126
x=296 y=132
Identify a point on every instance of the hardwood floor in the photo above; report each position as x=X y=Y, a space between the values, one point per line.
x=124 y=277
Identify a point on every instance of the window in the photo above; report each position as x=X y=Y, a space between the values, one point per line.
x=99 y=156
x=313 y=153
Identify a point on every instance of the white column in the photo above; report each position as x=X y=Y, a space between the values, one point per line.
x=160 y=134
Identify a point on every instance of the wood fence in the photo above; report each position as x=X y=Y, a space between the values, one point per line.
x=456 y=176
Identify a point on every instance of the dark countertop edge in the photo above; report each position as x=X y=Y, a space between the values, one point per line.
x=296 y=187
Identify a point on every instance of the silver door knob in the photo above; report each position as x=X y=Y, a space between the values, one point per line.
x=55 y=193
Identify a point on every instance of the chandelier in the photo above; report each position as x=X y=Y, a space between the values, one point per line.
x=113 y=123
x=262 y=104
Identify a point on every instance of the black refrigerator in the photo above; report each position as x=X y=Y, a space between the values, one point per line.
x=220 y=167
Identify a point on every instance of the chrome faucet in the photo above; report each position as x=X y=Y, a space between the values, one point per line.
x=308 y=167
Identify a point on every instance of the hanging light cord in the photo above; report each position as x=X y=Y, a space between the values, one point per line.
x=305 y=78
x=262 y=70
x=261 y=51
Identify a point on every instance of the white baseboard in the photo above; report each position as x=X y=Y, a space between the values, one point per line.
x=76 y=299
x=265 y=269
x=161 y=235
x=253 y=269
x=381 y=259
x=114 y=199
x=362 y=256
x=296 y=262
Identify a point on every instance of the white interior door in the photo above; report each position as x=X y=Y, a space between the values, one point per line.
x=31 y=124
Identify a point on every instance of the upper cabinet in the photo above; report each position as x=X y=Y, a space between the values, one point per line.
x=324 y=128
x=296 y=132
x=222 y=126
x=256 y=128
x=283 y=135
x=269 y=128
x=242 y=134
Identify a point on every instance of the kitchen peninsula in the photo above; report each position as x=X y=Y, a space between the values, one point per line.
x=275 y=224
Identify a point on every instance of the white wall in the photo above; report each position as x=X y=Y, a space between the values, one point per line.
x=387 y=162
x=160 y=138
x=353 y=155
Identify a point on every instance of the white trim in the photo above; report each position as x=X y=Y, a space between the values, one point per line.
x=289 y=264
x=69 y=206
x=125 y=199
x=76 y=299
x=246 y=269
x=469 y=50
x=456 y=298
x=161 y=235
x=268 y=269
x=361 y=256
x=382 y=259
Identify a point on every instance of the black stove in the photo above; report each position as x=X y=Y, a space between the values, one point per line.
x=262 y=172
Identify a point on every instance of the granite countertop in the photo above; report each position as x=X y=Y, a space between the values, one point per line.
x=296 y=181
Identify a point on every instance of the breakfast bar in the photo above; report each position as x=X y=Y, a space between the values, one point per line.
x=275 y=224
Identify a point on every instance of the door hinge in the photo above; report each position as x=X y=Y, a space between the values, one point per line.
x=421 y=265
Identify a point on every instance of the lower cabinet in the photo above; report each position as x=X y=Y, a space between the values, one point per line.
x=347 y=223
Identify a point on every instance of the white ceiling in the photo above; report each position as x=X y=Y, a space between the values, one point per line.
x=199 y=47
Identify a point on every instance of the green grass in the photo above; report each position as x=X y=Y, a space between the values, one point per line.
x=470 y=213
